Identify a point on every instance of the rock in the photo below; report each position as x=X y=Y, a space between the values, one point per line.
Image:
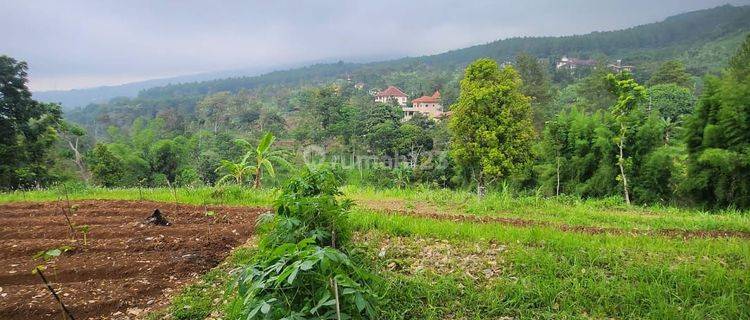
x=157 y=219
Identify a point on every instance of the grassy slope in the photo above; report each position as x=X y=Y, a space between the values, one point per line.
x=434 y=268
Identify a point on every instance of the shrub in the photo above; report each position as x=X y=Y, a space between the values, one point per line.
x=302 y=270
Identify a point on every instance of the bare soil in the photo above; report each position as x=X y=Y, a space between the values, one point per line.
x=128 y=266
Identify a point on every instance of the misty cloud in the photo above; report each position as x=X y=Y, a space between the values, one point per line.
x=73 y=44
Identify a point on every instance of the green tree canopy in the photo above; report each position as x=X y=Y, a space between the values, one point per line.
x=491 y=123
x=671 y=100
x=718 y=137
x=672 y=71
x=27 y=130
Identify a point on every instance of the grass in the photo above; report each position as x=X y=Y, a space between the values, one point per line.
x=230 y=195
x=609 y=212
x=553 y=274
x=433 y=269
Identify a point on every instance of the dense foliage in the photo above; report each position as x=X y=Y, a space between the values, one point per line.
x=491 y=123
x=302 y=270
x=718 y=137
x=658 y=134
x=28 y=130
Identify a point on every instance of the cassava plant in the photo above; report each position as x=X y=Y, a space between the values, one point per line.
x=46 y=257
x=302 y=270
x=84 y=229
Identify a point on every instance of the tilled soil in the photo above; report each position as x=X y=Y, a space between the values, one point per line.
x=127 y=267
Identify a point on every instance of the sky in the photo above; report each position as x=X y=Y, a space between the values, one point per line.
x=79 y=44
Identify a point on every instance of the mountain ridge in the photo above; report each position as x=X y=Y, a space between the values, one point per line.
x=668 y=39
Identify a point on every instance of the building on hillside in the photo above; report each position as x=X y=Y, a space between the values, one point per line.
x=573 y=63
x=427 y=105
x=359 y=85
x=618 y=67
x=391 y=94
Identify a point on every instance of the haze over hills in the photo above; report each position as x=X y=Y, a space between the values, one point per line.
x=678 y=37
x=692 y=37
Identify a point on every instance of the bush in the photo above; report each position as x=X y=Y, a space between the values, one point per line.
x=302 y=270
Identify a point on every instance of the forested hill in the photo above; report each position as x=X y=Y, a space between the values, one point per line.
x=679 y=37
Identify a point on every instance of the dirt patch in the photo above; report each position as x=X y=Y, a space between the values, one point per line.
x=418 y=255
x=128 y=266
x=424 y=210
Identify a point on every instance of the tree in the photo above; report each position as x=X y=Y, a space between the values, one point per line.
x=671 y=100
x=164 y=158
x=536 y=79
x=629 y=95
x=378 y=127
x=556 y=137
x=215 y=109
x=28 y=130
x=595 y=91
x=491 y=123
x=536 y=85
x=72 y=134
x=673 y=72
x=718 y=137
x=106 y=168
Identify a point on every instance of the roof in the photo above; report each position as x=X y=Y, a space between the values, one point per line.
x=435 y=98
x=391 y=91
x=583 y=62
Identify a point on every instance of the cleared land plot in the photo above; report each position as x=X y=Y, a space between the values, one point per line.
x=128 y=265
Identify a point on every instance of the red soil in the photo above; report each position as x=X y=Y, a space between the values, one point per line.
x=127 y=267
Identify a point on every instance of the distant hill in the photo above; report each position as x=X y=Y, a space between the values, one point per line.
x=704 y=40
x=643 y=46
x=82 y=97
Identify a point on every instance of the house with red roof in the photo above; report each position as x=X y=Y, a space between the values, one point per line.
x=427 y=105
x=392 y=93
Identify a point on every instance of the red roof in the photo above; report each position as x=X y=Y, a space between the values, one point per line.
x=391 y=91
x=435 y=98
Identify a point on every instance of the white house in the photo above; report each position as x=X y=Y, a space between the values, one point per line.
x=392 y=94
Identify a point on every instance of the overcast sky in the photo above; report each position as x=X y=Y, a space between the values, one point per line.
x=77 y=44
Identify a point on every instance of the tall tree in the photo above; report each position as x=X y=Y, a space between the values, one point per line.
x=491 y=123
x=629 y=95
x=718 y=137
x=671 y=100
x=27 y=130
x=595 y=91
x=536 y=85
x=107 y=169
x=672 y=71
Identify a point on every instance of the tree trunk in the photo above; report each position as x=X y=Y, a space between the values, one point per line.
x=621 y=164
x=256 y=184
x=78 y=159
x=557 y=190
x=480 y=184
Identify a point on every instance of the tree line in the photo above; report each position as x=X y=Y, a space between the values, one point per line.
x=671 y=139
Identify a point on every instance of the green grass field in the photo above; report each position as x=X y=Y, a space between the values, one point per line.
x=551 y=266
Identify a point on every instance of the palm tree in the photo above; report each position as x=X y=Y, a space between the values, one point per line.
x=265 y=158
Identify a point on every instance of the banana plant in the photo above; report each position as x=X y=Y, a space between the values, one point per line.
x=237 y=171
x=265 y=159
